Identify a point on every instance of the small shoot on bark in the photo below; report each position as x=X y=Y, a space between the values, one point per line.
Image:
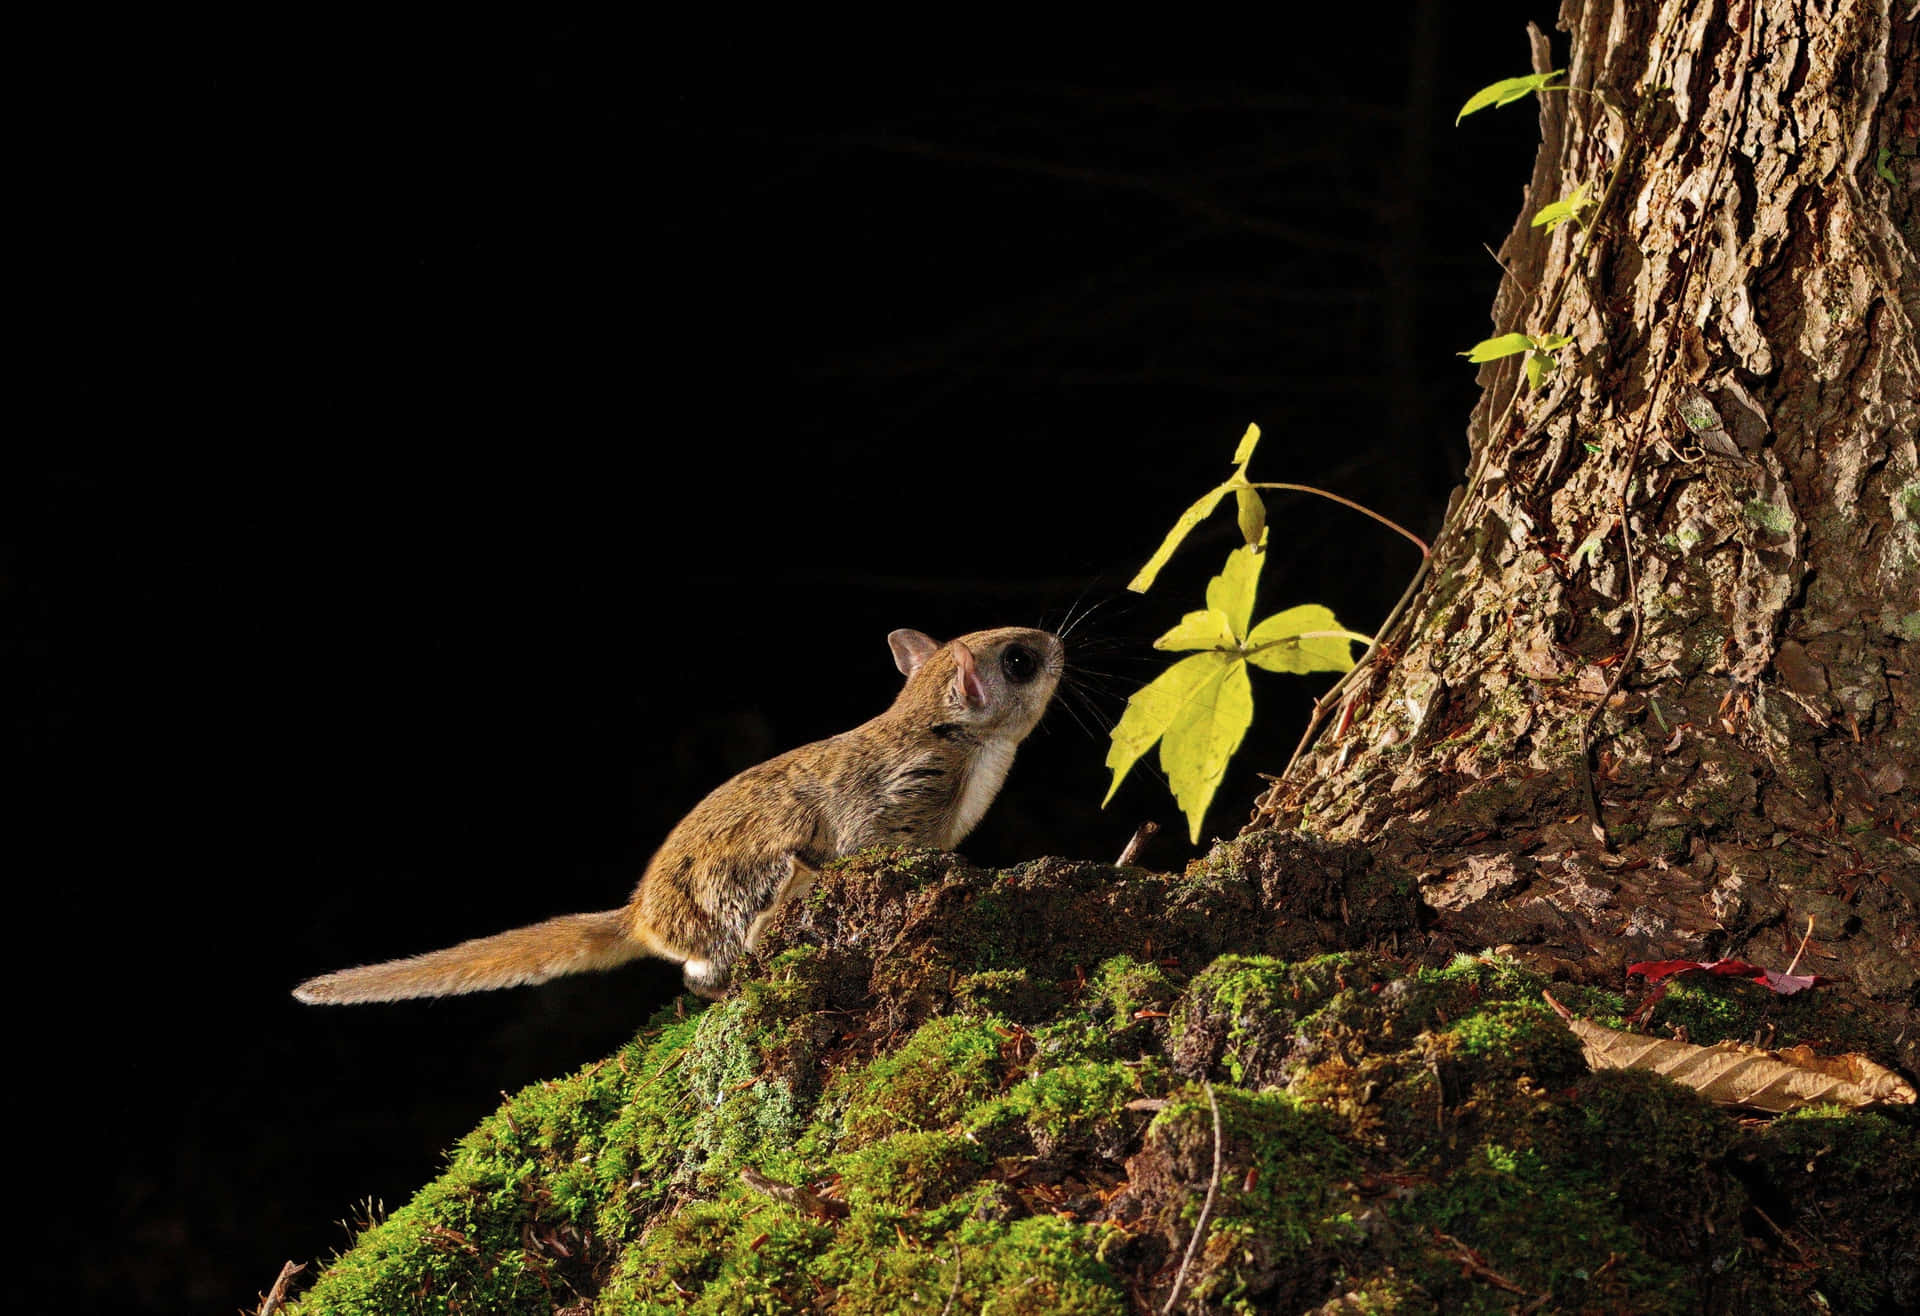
x=1542 y=352
x=1508 y=90
x=1554 y=214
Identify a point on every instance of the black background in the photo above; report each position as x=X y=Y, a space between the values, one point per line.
x=464 y=447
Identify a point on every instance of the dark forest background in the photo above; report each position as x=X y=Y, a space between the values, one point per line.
x=460 y=448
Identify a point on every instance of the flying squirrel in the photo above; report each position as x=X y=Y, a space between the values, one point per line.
x=921 y=773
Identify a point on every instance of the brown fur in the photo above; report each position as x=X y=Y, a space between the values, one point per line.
x=921 y=773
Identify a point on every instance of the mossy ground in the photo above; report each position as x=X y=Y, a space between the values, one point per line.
x=1000 y=1090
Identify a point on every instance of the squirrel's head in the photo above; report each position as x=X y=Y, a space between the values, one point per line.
x=988 y=685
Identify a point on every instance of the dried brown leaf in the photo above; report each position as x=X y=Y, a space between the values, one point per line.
x=1736 y=1075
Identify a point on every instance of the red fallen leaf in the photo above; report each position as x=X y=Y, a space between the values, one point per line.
x=1784 y=983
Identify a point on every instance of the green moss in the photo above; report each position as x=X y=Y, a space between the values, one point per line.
x=1604 y=1195
x=1519 y=1037
x=1118 y=1013
x=1627 y=1117
x=946 y=1066
x=1068 y=1101
x=908 y=1171
x=1553 y=1235
x=1123 y=986
x=913 y=1238
x=1287 y=1204
x=736 y=1254
x=1469 y=979
x=915 y=866
x=512 y=1221
x=1713 y=1009
x=720 y=1106
x=1033 y=1266
x=1376 y=1110
x=1594 y=1003
x=1907 y=499
x=1002 y=992
x=1841 y=1183
x=1431 y=998
x=1241 y=1011
x=1076 y=1039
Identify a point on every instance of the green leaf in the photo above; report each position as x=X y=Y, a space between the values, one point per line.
x=1539 y=366
x=1295 y=641
x=1200 y=742
x=1231 y=592
x=1200 y=630
x=1190 y=518
x=1880 y=165
x=1507 y=91
x=1252 y=510
x=1492 y=349
x=1199 y=710
x=1161 y=703
x=1249 y=506
x=1552 y=342
x=1556 y=213
x=1244 y=453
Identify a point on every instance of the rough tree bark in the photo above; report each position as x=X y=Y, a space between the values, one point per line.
x=1742 y=386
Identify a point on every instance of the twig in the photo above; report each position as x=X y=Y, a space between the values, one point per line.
x=1518 y=282
x=794 y=1195
x=954 y=1296
x=1803 y=947
x=1472 y=1265
x=1141 y=835
x=1785 y=1237
x=278 y=1293
x=1206 y=1207
x=659 y=1073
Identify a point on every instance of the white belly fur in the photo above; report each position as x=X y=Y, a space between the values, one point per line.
x=982 y=784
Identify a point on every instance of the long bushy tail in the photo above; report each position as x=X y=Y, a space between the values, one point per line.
x=572 y=943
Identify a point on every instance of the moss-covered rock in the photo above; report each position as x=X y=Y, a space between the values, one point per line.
x=947 y=1089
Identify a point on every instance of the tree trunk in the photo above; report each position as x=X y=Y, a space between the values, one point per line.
x=1741 y=387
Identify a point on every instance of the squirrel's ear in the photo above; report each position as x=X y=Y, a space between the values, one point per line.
x=910 y=649
x=966 y=677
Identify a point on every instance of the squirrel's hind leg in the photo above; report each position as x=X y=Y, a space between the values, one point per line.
x=705 y=978
x=796 y=884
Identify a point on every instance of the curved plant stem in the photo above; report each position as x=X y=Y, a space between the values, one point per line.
x=1418 y=542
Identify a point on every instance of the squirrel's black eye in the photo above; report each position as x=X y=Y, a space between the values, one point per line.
x=1019 y=663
